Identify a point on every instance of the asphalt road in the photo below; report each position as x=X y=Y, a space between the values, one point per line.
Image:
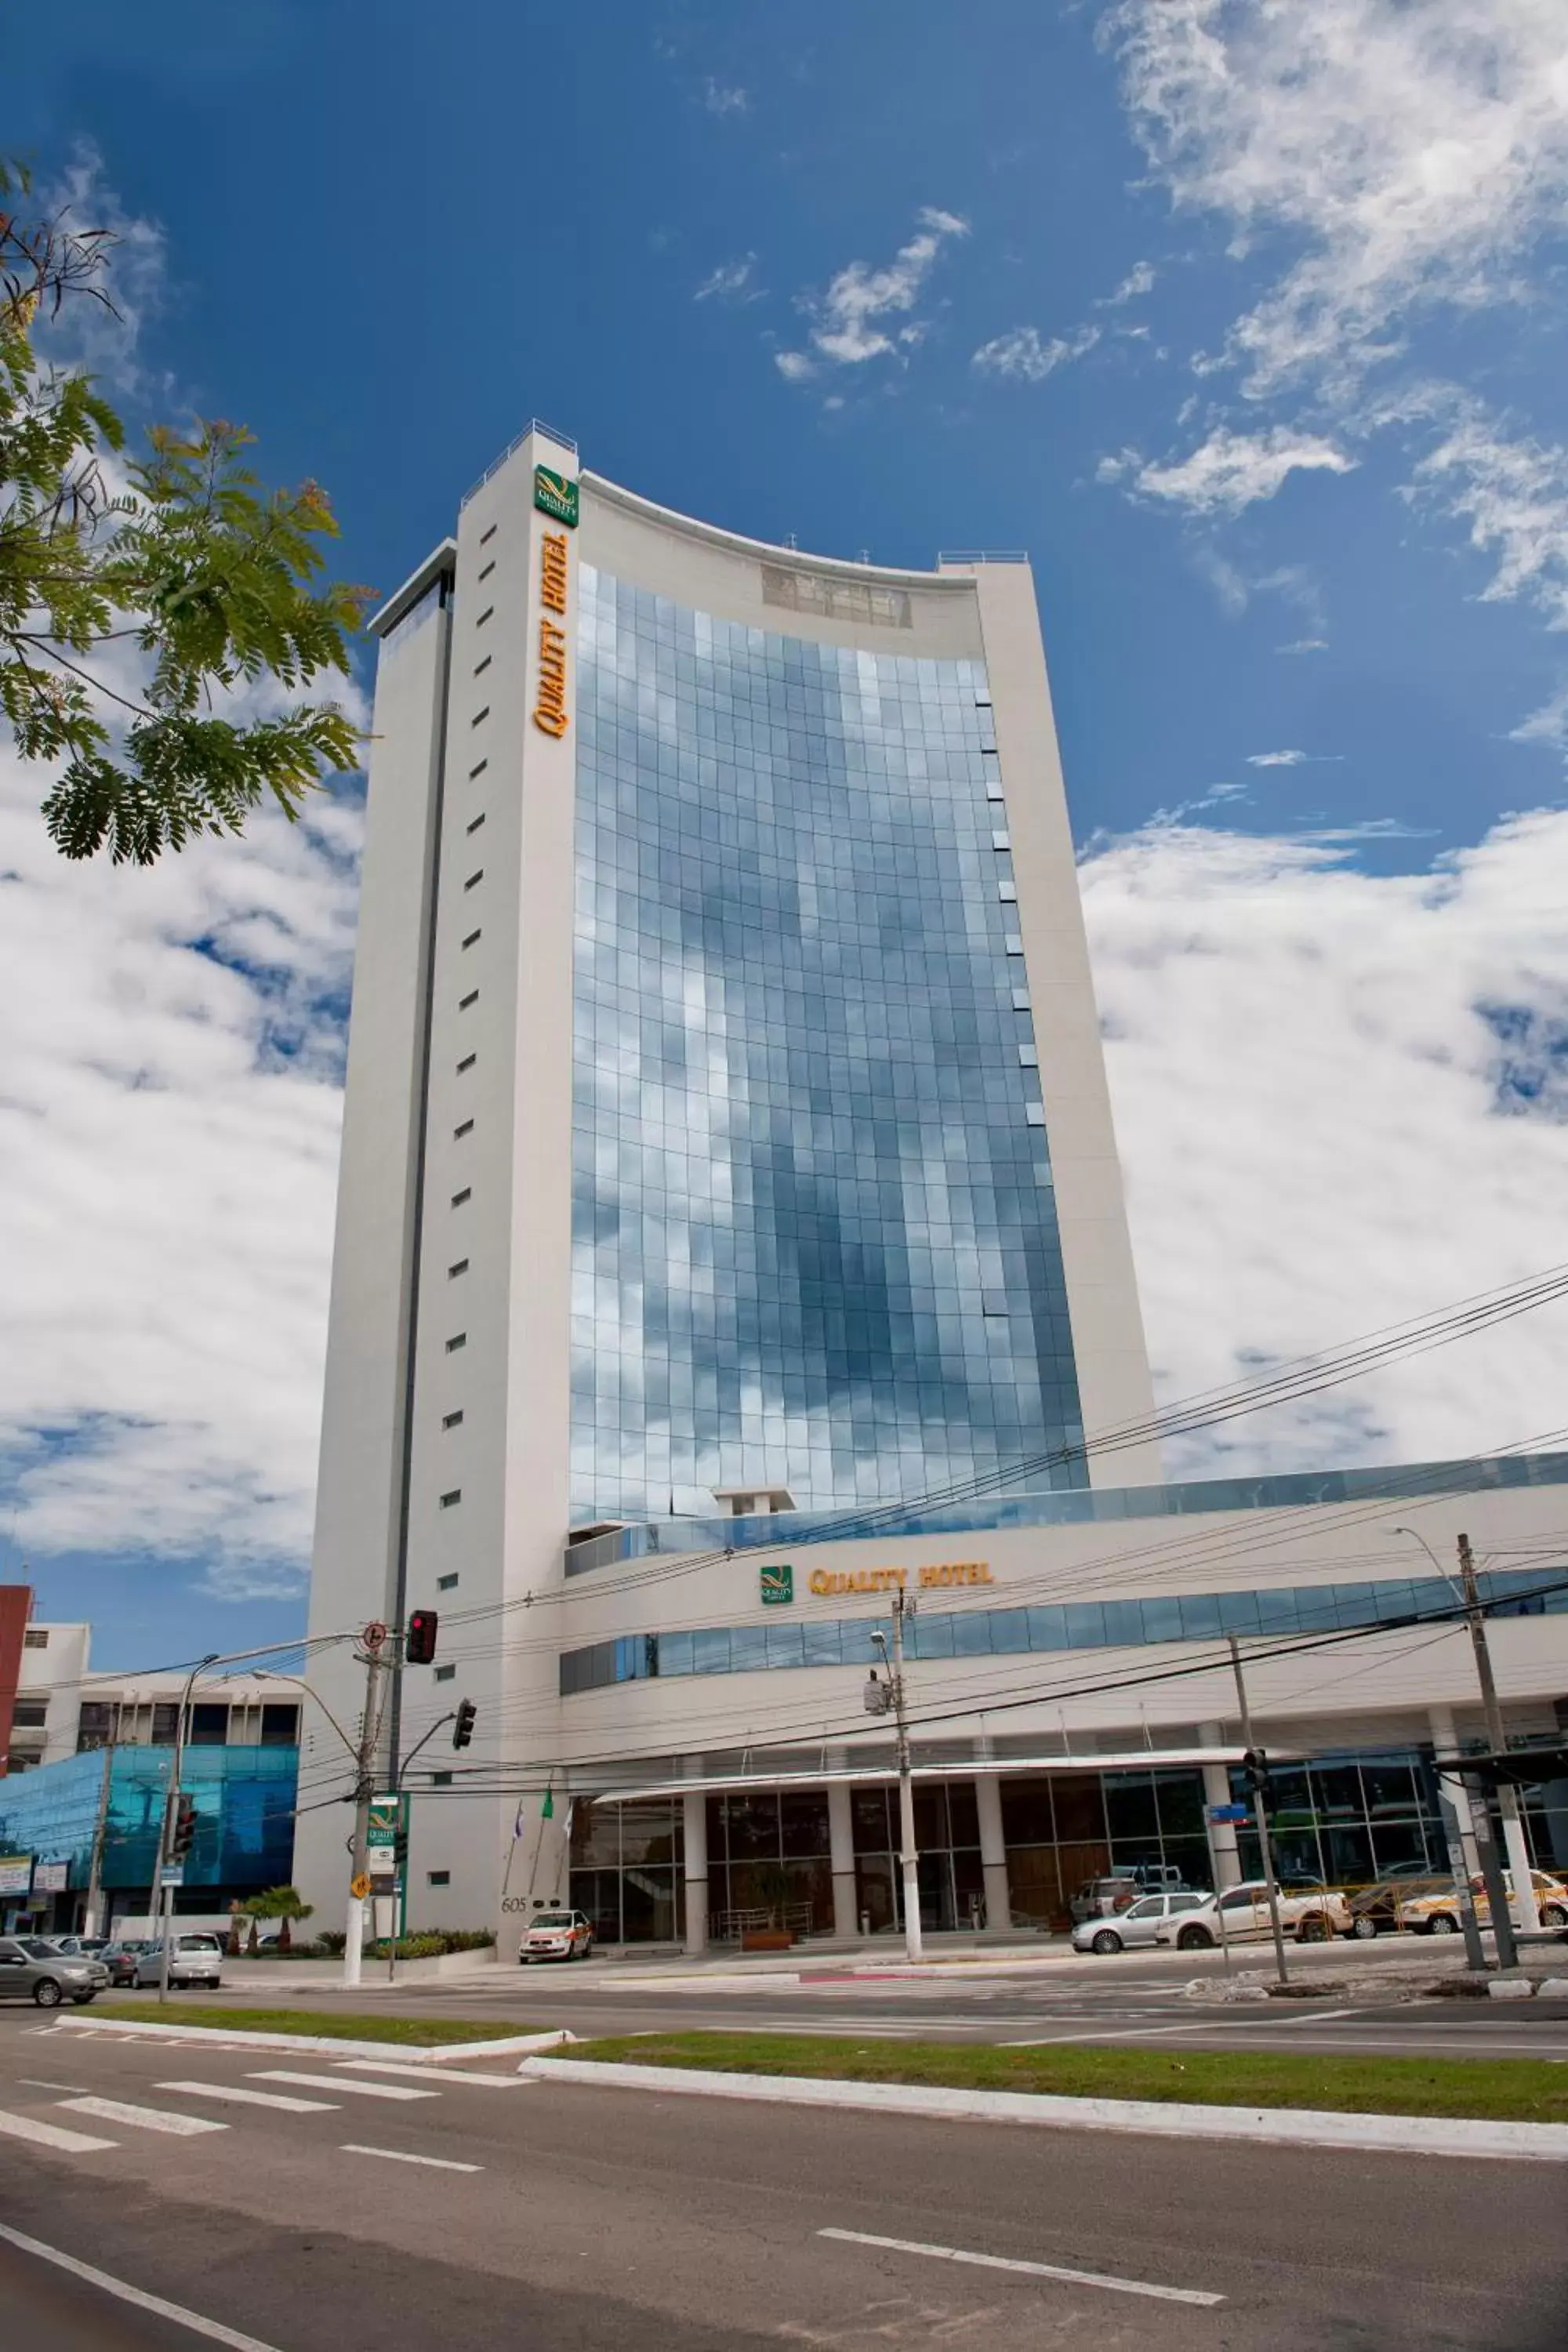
x=547 y=2216
x=1128 y=1999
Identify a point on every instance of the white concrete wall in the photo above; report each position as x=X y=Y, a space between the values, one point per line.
x=1114 y=1385
x=359 y=1493
x=1339 y=1696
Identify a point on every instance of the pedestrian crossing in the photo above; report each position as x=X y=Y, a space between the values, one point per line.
x=58 y=2127
x=157 y=2119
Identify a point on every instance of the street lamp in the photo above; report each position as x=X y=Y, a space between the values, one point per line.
x=170 y=1807
x=214 y=1658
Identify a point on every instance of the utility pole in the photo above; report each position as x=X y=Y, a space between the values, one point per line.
x=100 y=1828
x=374 y=1641
x=1513 y=1837
x=1261 y=1803
x=880 y=1697
x=909 y=1859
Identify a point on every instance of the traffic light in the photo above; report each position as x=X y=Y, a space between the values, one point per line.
x=1255 y=1772
x=463 y=1726
x=182 y=1827
x=419 y=1645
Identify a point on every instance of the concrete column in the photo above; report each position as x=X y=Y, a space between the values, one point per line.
x=993 y=1851
x=1216 y=1792
x=696 y=1842
x=1445 y=1740
x=841 y=1835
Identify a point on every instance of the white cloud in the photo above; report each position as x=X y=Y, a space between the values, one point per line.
x=1406 y=156
x=1229 y=471
x=1275 y=759
x=1549 y=725
x=722 y=99
x=1514 y=496
x=168 y=1151
x=1304 y=646
x=1341 y=1100
x=868 y=313
x=730 y=282
x=1139 y=281
x=1022 y=354
x=85 y=333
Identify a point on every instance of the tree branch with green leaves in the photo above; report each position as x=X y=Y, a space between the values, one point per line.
x=214 y=584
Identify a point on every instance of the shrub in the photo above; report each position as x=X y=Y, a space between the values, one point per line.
x=429 y=1943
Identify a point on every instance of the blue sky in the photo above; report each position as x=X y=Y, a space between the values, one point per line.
x=1246 y=321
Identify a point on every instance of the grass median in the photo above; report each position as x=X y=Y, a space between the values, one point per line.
x=422 y=2031
x=1500 y=2090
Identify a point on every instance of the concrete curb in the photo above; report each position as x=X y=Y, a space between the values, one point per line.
x=226 y=2037
x=1296 y=2128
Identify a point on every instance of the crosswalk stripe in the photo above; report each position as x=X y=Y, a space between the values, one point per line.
x=399 y=2155
x=156 y=2119
x=336 y=2083
x=236 y=2094
x=69 y=2143
x=425 y=2072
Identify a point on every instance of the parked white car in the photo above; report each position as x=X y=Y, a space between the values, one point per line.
x=194 y=1958
x=1309 y=1915
x=558 y=1936
x=1139 y=1926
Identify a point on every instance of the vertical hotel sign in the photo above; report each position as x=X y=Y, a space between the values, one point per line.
x=554 y=495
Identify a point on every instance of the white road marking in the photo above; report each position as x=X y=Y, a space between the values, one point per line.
x=398 y=2156
x=156 y=2119
x=406 y=2066
x=1027 y=2270
x=37 y=2082
x=236 y=2092
x=336 y=2083
x=211 y=2328
x=1120 y=2033
x=69 y=2143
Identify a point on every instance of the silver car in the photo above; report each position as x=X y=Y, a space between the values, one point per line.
x=1138 y=1924
x=31 y=1969
x=196 y=1959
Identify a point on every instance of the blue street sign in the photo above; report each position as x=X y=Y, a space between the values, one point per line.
x=1230 y=1812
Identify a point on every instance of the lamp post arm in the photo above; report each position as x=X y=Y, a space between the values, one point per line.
x=311 y=1692
x=435 y=1727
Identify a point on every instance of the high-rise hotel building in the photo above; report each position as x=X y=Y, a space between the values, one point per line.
x=729 y=1219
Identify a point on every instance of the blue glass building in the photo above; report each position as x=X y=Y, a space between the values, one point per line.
x=244 y=1799
x=814 y=1240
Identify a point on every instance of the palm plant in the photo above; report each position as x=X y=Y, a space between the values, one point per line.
x=282 y=1904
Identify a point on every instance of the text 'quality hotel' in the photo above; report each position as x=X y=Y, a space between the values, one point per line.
x=731 y=1232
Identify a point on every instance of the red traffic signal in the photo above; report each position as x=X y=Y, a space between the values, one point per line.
x=419 y=1645
x=182 y=1827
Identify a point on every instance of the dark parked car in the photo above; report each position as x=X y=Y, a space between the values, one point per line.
x=121 y=1958
x=1380 y=1910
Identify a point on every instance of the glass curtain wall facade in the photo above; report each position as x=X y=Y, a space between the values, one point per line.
x=1346 y=1819
x=815 y=1239
x=245 y=1820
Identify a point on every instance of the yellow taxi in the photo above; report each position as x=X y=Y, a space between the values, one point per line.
x=1439 y=1915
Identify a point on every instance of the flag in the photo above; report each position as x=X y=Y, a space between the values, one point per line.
x=519 y=1827
x=547 y=1811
